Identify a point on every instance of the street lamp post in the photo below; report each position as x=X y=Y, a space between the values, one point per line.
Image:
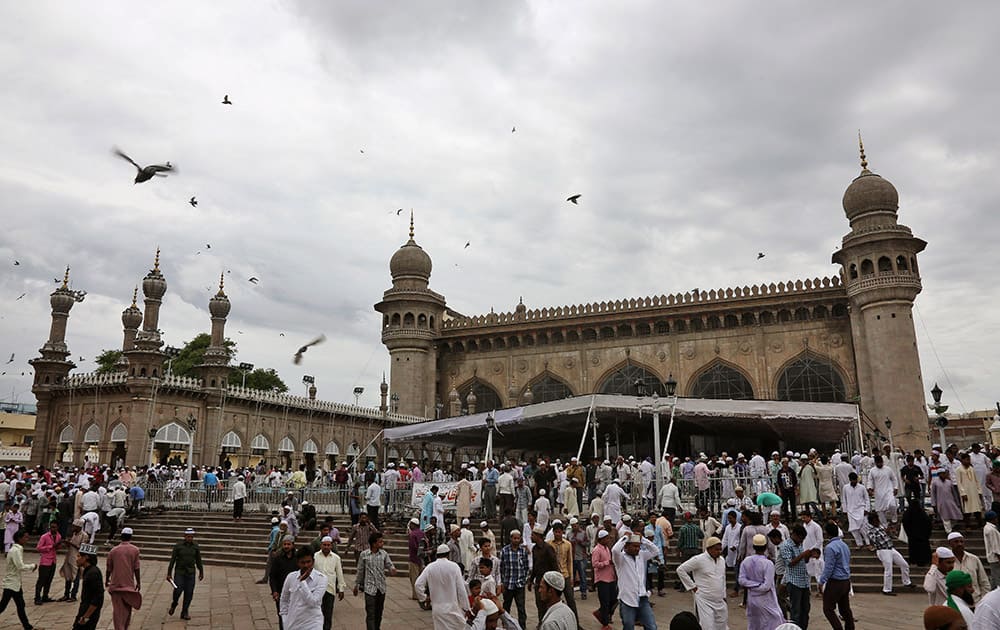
x=607 y=446
x=395 y=402
x=171 y=352
x=655 y=407
x=888 y=428
x=308 y=380
x=192 y=423
x=595 y=426
x=152 y=442
x=245 y=368
x=357 y=394
x=939 y=409
x=491 y=426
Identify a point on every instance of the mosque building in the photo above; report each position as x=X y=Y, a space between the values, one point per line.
x=847 y=339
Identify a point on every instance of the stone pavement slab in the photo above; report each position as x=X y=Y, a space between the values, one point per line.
x=229 y=598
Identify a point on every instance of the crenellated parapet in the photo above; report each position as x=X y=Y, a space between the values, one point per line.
x=791 y=288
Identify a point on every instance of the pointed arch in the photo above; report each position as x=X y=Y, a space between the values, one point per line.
x=286 y=445
x=721 y=380
x=310 y=447
x=67 y=435
x=92 y=435
x=547 y=386
x=811 y=377
x=173 y=433
x=621 y=380
x=487 y=398
x=332 y=448
x=119 y=433
x=231 y=440
x=260 y=443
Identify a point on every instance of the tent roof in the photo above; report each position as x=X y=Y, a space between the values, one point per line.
x=548 y=423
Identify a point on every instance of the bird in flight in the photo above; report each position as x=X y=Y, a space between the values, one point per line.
x=362 y=150
x=146 y=173
x=467 y=243
x=760 y=255
x=81 y=359
x=513 y=129
x=208 y=246
x=298 y=355
x=193 y=202
x=398 y=212
x=11 y=359
x=281 y=334
x=21 y=296
x=56 y=280
x=572 y=199
x=254 y=280
x=17 y=263
x=226 y=101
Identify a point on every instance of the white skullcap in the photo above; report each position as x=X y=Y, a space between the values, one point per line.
x=775 y=513
x=392 y=464
x=944 y=553
x=601 y=534
x=574 y=521
x=626 y=519
x=465 y=521
x=326 y=539
x=274 y=520
x=541 y=492
x=443 y=550
x=954 y=535
x=484 y=525
x=555 y=579
x=634 y=538
x=538 y=529
x=414 y=521
x=489 y=608
x=128 y=531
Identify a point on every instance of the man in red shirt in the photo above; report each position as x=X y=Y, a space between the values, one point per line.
x=47 y=545
x=122 y=580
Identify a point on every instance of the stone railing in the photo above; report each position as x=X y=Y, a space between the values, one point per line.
x=93 y=378
x=15 y=453
x=904 y=279
x=180 y=382
x=323 y=406
x=647 y=303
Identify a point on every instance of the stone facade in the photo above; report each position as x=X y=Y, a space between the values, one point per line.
x=846 y=338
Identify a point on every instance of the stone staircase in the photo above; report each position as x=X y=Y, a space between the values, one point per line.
x=224 y=542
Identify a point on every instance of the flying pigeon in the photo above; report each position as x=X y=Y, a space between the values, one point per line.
x=208 y=246
x=362 y=150
x=254 y=281
x=21 y=296
x=226 y=101
x=398 y=212
x=81 y=359
x=56 y=280
x=193 y=202
x=281 y=334
x=513 y=129
x=145 y=173
x=572 y=199
x=11 y=359
x=298 y=355
x=760 y=255
x=467 y=243
x=17 y=263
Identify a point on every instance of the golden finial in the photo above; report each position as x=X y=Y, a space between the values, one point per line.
x=135 y=294
x=156 y=261
x=222 y=278
x=411 y=224
x=65 y=284
x=861 y=145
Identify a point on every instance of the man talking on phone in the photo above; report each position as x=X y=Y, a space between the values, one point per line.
x=302 y=595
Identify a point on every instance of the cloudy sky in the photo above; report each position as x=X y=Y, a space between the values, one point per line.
x=697 y=133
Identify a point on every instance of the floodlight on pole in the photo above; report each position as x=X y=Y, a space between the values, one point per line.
x=357 y=394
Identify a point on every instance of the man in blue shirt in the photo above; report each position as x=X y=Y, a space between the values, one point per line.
x=138 y=495
x=490 y=477
x=836 y=580
x=796 y=577
x=211 y=485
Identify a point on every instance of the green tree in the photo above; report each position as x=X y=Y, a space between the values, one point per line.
x=193 y=355
x=266 y=379
x=106 y=361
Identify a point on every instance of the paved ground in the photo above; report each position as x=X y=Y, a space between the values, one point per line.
x=228 y=598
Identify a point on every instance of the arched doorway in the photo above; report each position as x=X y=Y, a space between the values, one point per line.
x=285 y=450
x=332 y=452
x=171 y=444
x=119 y=439
x=231 y=444
x=259 y=447
x=92 y=440
x=66 y=445
x=309 y=451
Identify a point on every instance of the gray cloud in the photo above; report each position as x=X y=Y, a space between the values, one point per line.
x=697 y=135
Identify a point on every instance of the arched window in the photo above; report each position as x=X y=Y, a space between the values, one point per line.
x=67 y=435
x=332 y=448
x=119 y=433
x=622 y=381
x=173 y=433
x=309 y=447
x=487 y=398
x=680 y=326
x=395 y=319
x=260 y=443
x=853 y=271
x=722 y=382
x=884 y=265
x=811 y=379
x=662 y=327
x=713 y=322
x=840 y=310
x=548 y=388
x=392 y=453
x=748 y=319
x=421 y=321
x=286 y=445
x=766 y=317
x=643 y=330
x=801 y=314
x=901 y=263
x=867 y=268
x=408 y=320
x=231 y=440
x=589 y=334
x=92 y=434
x=820 y=312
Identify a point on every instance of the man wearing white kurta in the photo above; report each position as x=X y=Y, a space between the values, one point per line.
x=300 y=604
x=884 y=486
x=630 y=555
x=467 y=541
x=705 y=575
x=612 y=498
x=855 y=501
x=449 y=600
x=438 y=510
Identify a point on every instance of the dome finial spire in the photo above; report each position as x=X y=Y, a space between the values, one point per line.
x=222 y=278
x=861 y=146
x=156 y=261
x=411 y=224
x=135 y=295
x=65 y=283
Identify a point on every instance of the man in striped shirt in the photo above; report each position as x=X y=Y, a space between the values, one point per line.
x=373 y=564
x=514 y=571
x=881 y=544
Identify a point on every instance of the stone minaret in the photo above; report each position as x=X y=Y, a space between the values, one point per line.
x=411 y=319
x=51 y=370
x=878 y=260
x=215 y=367
x=383 y=389
x=131 y=320
x=144 y=358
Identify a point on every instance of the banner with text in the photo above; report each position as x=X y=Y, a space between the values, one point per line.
x=450 y=490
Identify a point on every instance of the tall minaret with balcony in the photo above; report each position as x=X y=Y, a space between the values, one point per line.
x=878 y=260
x=214 y=370
x=145 y=360
x=51 y=370
x=411 y=319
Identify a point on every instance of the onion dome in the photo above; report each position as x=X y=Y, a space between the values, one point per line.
x=62 y=299
x=132 y=316
x=869 y=192
x=219 y=305
x=410 y=259
x=153 y=285
x=471 y=399
x=384 y=387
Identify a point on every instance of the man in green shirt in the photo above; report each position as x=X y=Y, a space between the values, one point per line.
x=185 y=557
